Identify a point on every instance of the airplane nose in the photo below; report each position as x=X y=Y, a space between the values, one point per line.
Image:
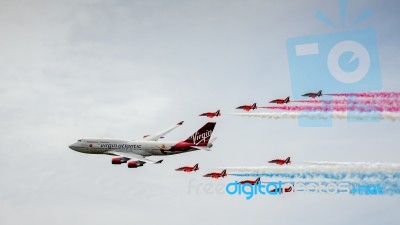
x=73 y=147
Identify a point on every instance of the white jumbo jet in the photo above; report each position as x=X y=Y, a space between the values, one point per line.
x=135 y=152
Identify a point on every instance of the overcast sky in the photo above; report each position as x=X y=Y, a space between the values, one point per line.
x=122 y=69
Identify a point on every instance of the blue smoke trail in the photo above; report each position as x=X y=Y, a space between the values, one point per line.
x=390 y=182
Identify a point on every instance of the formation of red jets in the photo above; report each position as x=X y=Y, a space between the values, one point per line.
x=253 y=106
x=217 y=175
x=279 y=101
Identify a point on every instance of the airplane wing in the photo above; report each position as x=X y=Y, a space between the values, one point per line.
x=155 y=137
x=133 y=156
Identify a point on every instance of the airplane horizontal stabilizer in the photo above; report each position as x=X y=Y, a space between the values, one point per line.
x=202 y=148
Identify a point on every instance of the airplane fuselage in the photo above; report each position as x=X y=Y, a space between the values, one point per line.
x=134 y=153
x=144 y=148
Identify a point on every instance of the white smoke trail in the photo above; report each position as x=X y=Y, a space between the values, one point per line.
x=323 y=115
x=321 y=167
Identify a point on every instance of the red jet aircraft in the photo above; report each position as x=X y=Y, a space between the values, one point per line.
x=248 y=107
x=288 y=189
x=189 y=169
x=216 y=175
x=281 y=161
x=252 y=182
x=281 y=101
x=211 y=114
x=313 y=95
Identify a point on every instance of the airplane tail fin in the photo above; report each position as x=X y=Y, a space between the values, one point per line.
x=218 y=113
x=319 y=93
x=223 y=174
x=202 y=136
x=196 y=167
x=258 y=180
x=287 y=160
x=211 y=141
x=254 y=106
x=287 y=99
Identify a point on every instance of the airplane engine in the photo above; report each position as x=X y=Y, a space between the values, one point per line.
x=134 y=164
x=119 y=160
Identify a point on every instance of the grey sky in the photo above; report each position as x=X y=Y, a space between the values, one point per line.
x=122 y=69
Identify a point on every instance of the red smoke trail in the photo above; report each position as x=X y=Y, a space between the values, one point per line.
x=393 y=116
x=337 y=108
x=357 y=102
x=363 y=101
x=369 y=94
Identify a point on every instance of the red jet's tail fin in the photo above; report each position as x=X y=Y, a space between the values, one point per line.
x=223 y=174
x=287 y=160
x=254 y=106
x=202 y=136
x=287 y=100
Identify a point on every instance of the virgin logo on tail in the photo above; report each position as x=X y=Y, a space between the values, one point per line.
x=203 y=137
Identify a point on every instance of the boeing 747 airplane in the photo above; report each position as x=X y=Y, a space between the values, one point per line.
x=135 y=152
